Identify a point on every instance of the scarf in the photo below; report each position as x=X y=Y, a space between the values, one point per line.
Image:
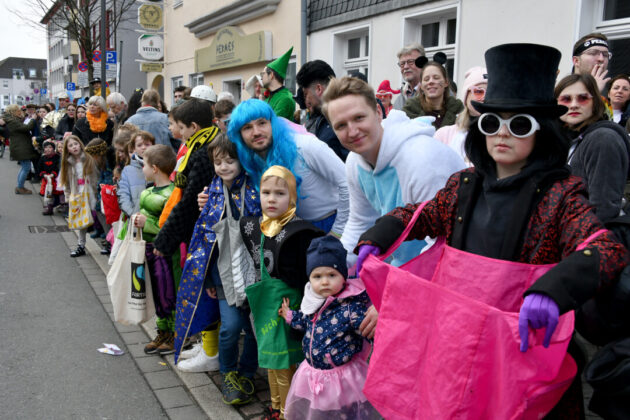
x=270 y=226
x=311 y=301
x=97 y=124
x=196 y=141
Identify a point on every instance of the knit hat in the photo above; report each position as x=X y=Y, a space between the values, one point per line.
x=474 y=76
x=280 y=64
x=326 y=251
x=384 y=88
x=49 y=143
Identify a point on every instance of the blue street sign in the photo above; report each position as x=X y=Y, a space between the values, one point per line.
x=43 y=91
x=111 y=57
x=70 y=86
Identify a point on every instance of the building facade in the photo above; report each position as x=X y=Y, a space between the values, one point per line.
x=22 y=81
x=224 y=42
x=364 y=36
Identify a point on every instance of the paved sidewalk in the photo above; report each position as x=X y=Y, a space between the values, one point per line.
x=182 y=395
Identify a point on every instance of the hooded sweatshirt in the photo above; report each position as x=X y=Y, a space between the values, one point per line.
x=411 y=167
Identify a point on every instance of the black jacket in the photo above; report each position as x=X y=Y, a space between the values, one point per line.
x=319 y=125
x=82 y=130
x=65 y=124
x=601 y=155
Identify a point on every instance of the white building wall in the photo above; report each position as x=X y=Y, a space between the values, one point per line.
x=481 y=24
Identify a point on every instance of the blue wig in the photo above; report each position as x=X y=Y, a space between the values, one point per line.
x=283 y=150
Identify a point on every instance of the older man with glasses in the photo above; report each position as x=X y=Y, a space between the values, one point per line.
x=410 y=73
x=591 y=55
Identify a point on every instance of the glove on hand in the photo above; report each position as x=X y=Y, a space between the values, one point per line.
x=364 y=251
x=537 y=311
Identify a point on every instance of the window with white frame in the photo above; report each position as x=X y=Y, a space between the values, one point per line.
x=289 y=81
x=196 y=79
x=32 y=73
x=5 y=83
x=436 y=30
x=352 y=54
x=5 y=100
x=612 y=18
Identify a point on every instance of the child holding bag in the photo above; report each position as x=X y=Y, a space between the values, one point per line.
x=78 y=177
x=329 y=382
x=519 y=204
x=278 y=245
x=158 y=162
x=232 y=194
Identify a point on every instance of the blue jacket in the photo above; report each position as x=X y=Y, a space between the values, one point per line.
x=195 y=309
x=332 y=333
x=130 y=186
x=150 y=119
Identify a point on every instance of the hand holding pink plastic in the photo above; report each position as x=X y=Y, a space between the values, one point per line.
x=537 y=311
x=364 y=251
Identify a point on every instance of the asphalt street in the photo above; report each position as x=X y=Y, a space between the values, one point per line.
x=51 y=325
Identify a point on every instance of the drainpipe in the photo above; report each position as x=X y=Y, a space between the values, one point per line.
x=303 y=33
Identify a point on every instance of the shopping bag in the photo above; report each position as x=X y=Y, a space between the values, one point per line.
x=236 y=266
x=48 y=190
x=453 y=352
x=116 y=227
x=128 y=281
x=109 y=200
x=79 y=213
x=276 y=349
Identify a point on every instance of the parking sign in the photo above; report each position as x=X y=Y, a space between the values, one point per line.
x=70 y=86
x=111 y=57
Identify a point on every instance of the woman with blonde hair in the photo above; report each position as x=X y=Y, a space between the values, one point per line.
x=21 y=145
x=96 y=122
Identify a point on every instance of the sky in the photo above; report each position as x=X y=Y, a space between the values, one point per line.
x=18 y=39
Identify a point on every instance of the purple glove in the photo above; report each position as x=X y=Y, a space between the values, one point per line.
x=364 y=251
x=538 y=311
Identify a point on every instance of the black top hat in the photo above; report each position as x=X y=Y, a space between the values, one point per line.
x=95 y=80
x=521 y=78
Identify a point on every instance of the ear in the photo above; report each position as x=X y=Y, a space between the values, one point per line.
x=319 y=89
x=195 y=126
x=575 y=60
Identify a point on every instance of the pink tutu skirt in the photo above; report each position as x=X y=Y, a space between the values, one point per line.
x=335 y=393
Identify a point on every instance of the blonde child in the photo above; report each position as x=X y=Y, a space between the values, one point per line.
x=329 y=382
x=159 y=161
x=132 y=181
x=78 y=172
x=278 y=245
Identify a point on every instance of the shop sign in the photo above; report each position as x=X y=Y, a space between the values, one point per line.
x=151 y=47
x=230 y=48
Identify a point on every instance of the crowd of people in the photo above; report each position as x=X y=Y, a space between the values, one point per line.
x=266 y=219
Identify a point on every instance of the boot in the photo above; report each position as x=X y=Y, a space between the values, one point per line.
x=48 y=210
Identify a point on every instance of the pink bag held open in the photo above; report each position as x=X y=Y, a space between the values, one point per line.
x=447 y=342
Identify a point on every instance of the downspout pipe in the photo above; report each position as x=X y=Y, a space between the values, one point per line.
x=303 y=33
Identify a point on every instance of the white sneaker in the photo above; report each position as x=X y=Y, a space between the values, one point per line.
x=200 y=363
x=192 y=352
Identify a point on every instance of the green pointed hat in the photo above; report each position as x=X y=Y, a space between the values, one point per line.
x=280 y=64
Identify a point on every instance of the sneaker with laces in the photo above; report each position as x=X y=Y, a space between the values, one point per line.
x=168 y=345
x=200 y=363
x=189 y=354
x=231 y=390
x=152 y=347
x=246 y=384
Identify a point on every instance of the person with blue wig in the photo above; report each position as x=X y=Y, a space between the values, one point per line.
x=263 y=140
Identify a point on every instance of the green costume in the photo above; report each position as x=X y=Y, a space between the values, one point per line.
x=152 y=201
x=281 y=100
x=282 y=103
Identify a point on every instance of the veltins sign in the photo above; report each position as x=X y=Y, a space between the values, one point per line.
x=150 y=17
x=230 y=48
x=151 y=47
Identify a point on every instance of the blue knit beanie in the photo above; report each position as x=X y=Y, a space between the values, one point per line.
x=326 y=251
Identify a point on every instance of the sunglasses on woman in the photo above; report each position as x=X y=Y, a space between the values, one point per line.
x=478 y=93
x=581 y=99
x=519 y=125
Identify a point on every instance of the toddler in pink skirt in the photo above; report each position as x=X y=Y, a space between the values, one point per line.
x=329 y=382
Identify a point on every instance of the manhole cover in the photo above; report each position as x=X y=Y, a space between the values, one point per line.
x=48 y=229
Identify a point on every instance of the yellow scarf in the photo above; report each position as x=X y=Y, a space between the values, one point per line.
x=197 y=140
x=272 y=226
x=97 y=124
